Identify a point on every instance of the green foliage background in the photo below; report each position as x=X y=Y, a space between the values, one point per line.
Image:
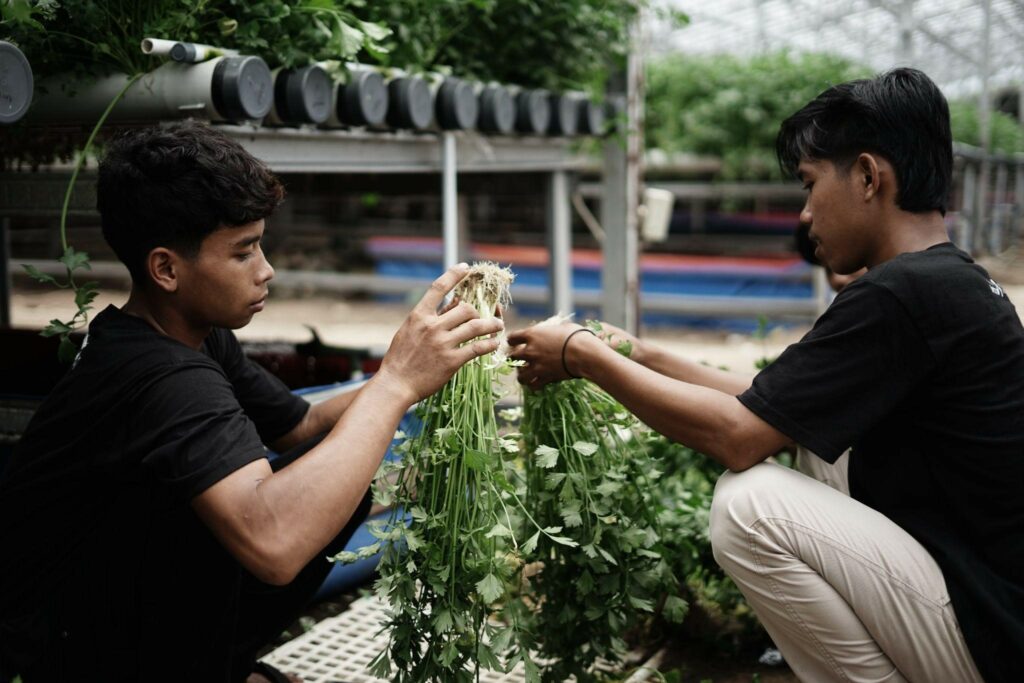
x=731 y=107
x=551 y=43
x=1007 y=134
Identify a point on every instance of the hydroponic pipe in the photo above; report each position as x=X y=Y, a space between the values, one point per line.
x=221 y=89
x=16 y=83
x=361 y=100
x=497 y=109
x=301 y=95
x=564 y=114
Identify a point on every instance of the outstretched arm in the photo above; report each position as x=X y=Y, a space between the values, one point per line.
x=672 y=365
x=274 y=523
x=708 y=419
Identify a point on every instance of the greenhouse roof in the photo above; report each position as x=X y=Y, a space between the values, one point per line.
x=945 y=38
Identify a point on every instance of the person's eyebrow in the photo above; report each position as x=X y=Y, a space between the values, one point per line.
x=246 y=241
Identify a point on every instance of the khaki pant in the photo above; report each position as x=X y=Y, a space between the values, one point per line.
x=845 y=593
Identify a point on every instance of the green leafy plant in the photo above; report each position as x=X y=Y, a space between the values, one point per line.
x=555 y=44
x=446 y=573
x=587 y=469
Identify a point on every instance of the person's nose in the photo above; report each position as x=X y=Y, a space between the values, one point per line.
x=805 y=214
x=266 y=271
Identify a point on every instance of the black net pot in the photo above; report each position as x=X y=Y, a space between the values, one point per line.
x=242 y=88
x=533 y=111
x=591 y=120
x=457 y=106
x=497 y=110
x=563 y=115
x=16 y=83
x=411 y=103
x=303 y=95
x=363 y=101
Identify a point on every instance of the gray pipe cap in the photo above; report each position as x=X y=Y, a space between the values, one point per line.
x=412 y=103
x=497 y=110
x=591 y=117
x=564 y=115
x=457 y=107
x=242 y=88
x=15 y=83
x=533 y=111
x=363 y=101
x=303 y=95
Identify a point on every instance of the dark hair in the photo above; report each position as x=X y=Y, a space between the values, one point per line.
x=173 y=186
x=900 y=115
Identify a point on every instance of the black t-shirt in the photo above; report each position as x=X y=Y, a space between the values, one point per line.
x=102 y=561
x=919 y=367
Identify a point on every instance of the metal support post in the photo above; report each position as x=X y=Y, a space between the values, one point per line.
x=559 y=236
x=620 y=286
x=984 y=126
x=969 y=208
x=449 y=201
x=906 y=35
x=5 y=272
x=999 y=213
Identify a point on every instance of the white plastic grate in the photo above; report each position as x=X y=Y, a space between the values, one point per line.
x=339 y=649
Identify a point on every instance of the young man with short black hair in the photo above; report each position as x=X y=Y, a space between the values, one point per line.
x=918 y=365
x=144 y=535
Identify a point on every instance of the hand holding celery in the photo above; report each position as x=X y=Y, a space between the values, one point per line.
x=429 y=347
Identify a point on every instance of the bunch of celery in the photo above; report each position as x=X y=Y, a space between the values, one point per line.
x=446 y=573
x=587 y=469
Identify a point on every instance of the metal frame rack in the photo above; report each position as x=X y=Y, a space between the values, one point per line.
x=301 y=150
x=309 y=149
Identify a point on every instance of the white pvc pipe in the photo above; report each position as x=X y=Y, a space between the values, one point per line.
x=158 y=47
x=449 y=205
x=170 y=91
x=559 y=229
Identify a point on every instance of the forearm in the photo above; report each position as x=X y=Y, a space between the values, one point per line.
x=671 y=365
x=292 y=514
x=702 y=417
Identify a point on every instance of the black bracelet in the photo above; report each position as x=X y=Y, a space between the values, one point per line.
x=565 y=345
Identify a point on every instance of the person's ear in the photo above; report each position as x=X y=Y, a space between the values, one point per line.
x=867 y=172
x=162 y=265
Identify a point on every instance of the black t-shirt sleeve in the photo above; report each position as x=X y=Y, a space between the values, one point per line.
x=862 y=358
x=195 y=431
x=264 y=398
